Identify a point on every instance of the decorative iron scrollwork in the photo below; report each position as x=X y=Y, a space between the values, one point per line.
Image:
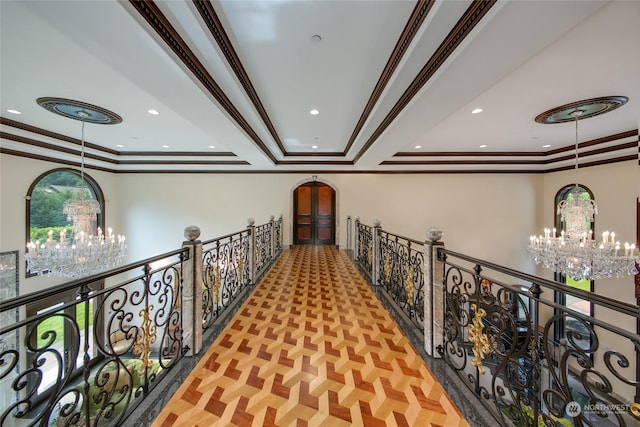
x=409 y=286
x=147 y=336
x=478 y=338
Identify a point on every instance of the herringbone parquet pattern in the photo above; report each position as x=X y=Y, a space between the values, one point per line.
x=312 y=346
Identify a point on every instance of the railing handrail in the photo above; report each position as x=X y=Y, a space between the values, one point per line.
x=226 y=236
x=631 y=310
x=408 y=239
x=44 y=293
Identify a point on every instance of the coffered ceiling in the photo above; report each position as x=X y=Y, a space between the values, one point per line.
x=393 y=82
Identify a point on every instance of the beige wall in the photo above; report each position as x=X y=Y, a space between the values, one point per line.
x=484 y=215
x=488 y=216
x=480 y=214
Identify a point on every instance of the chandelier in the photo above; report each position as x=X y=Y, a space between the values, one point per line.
x=575 y=252
x=86 y=252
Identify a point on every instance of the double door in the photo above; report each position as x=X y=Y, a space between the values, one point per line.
x=314 y=207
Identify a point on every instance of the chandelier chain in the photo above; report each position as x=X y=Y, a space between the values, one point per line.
x=83 y=115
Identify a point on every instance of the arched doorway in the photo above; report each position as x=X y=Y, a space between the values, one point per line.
x=314 y=223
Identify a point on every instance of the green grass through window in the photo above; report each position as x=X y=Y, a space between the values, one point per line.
x=583 y=284
x=56 y=323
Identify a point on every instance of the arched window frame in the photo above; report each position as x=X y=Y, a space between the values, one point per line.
x=91 y=183
x=560 y=297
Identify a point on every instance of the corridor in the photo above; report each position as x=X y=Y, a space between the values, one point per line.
x=311 y=346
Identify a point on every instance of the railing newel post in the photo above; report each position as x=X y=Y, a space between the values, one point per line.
x=434 y=293
x=192 y=291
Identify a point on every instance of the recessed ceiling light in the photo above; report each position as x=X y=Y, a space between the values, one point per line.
x=546 y=146
x=212 y=146
x=314 y=146
x=316 y=38
x=165 y=146
x=418 y=146
x=153 y=112
x=483 y=146
x=119 y=145
x=314 y=112
x=476 y=111
x=14 y=112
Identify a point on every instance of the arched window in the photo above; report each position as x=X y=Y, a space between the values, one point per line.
x=577 y=304
x=45 y=201
x=44 y=214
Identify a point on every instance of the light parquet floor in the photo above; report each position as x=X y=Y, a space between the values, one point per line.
x=312 y=346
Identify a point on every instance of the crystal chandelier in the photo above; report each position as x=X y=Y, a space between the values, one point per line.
x=575 y=252
x=85 y=253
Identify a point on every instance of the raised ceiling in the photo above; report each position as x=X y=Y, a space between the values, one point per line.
x=234 y=83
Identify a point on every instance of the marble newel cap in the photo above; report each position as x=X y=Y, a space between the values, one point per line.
x=192 y=232
x=434 y=234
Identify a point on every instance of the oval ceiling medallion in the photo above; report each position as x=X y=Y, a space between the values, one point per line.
x=588 y=108
x=71 y=109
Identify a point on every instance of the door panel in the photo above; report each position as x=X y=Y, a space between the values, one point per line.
x=314 y=205
x=304 y=231
x=324 y=215
x=304 y=201
x=325 y=200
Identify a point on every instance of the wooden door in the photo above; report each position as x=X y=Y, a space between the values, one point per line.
x=314 y=219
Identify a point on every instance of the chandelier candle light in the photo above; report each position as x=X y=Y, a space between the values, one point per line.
x=85 y=254
x=575 y=252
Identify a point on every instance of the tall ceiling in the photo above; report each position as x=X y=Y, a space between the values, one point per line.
x=394 y=83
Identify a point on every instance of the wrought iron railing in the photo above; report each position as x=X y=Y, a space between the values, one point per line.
x=530 y=360
x=401 y=273
x=225 y=272
x=233 y=262
x=98 y=352
x=277 y=235
x=264 y=253
x=86 y=353
x=364 y=249
x=396 y=264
